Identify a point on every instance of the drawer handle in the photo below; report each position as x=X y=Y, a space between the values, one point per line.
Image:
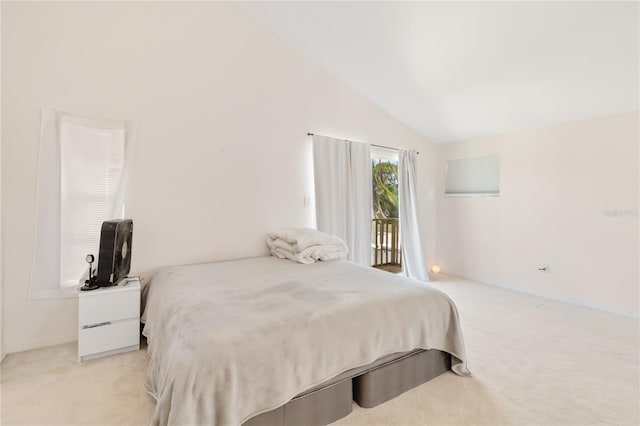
x=100 y=324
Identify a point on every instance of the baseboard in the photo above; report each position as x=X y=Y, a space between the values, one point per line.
x=28 y=346
x=601 y=308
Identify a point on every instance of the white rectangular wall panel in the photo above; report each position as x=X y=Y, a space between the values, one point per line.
x=473 y=176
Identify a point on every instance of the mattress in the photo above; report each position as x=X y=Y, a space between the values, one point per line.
x=232 y=340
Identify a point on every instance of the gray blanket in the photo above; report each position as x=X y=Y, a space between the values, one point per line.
x=230 y=340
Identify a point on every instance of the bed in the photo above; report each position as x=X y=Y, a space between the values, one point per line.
x=269 y=341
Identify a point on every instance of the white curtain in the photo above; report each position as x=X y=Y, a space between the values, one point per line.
x=413 y=263
x=342 y=172
x=82 y=173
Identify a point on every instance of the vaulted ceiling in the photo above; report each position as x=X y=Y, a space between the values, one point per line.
x=462 y=70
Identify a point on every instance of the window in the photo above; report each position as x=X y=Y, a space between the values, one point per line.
x=91 y=166
x=473 y=176
x=385 y=235
x=384 y=168
x=81 y=180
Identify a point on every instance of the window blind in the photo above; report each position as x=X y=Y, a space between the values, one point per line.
x=92 y=161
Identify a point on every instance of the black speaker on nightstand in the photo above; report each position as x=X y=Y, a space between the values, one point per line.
x=114 y=259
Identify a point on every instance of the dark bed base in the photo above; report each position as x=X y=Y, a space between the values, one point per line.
x=369 y=386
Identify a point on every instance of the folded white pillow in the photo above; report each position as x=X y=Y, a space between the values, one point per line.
x=305 y=245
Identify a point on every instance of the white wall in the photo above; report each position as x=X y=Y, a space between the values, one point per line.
x=222 y=156
x=569 y=199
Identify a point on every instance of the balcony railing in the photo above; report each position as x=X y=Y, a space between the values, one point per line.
x=385 y=244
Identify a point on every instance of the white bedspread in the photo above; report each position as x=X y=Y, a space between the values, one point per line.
x=230 y=340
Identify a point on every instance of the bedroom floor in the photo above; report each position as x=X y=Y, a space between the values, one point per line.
x=534 y=361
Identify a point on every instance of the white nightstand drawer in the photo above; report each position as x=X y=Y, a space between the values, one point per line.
x=106 y=305
x=108 y=337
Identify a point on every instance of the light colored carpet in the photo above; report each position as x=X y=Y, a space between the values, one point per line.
x=534 y=362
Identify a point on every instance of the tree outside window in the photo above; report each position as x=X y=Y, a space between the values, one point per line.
x=385 y=188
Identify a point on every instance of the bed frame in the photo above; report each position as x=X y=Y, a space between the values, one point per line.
x=369 y=386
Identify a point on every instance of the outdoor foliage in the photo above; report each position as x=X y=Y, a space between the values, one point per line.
x=385 y=189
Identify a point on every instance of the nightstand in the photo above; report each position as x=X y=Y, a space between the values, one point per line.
x=109 y=320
